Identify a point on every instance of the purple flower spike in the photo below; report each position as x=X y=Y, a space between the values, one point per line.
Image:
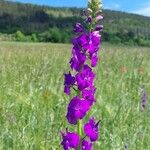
x=91 y=130
x=69 y=81
x=70 y=140
x=86 y=145
x=85 y=47
x=78 y=28
x=77 y=109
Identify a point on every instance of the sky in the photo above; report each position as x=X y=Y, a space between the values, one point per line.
x=132 y=6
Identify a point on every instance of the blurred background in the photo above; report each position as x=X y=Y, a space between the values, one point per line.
x=125 y=22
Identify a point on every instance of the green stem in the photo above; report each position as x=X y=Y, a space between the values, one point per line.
x=79 y=132
x=80 y=128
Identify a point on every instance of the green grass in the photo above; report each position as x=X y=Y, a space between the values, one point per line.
x=33 y=105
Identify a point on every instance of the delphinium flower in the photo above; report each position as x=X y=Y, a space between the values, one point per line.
x=86 y=44
x=91 y=129
x=86 y=145
x=77 y=109
x=69 y=81
x=70 y=140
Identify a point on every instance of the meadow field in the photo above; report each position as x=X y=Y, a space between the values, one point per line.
x=33 y=105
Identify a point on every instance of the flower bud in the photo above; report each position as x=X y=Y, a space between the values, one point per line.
x=98 y=12
x=78 y=27
x=99 y=27
x=89 y=10
x=99 y=17
x=89 y=19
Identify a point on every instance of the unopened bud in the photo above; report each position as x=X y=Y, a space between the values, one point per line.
x=89 y=10
x=99 y=27
x=99 y=17
x=89 y=19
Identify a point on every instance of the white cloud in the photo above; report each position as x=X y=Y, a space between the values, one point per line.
x=116 y=6
x=113 y=6
x=145 y=10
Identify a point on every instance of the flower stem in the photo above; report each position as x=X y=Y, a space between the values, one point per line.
x=80 y=128
x=79 y=132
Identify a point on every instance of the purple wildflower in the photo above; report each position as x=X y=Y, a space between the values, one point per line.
x=89 y=41
x=77 y=109
x=94 y=42
x=88 y=94
x=69 y=81
x=78 y=28
x=98 y=27
x=86 y=145
x=144 y=99
x=94 y=59
x=86 y=43
x=78 y=57
x=83 y=41
x=91 y=129
x=85 y=78
x=70 y=140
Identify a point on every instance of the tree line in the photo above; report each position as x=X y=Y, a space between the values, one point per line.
x=27 y=22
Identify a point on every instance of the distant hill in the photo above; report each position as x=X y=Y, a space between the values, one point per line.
x=51 y=24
